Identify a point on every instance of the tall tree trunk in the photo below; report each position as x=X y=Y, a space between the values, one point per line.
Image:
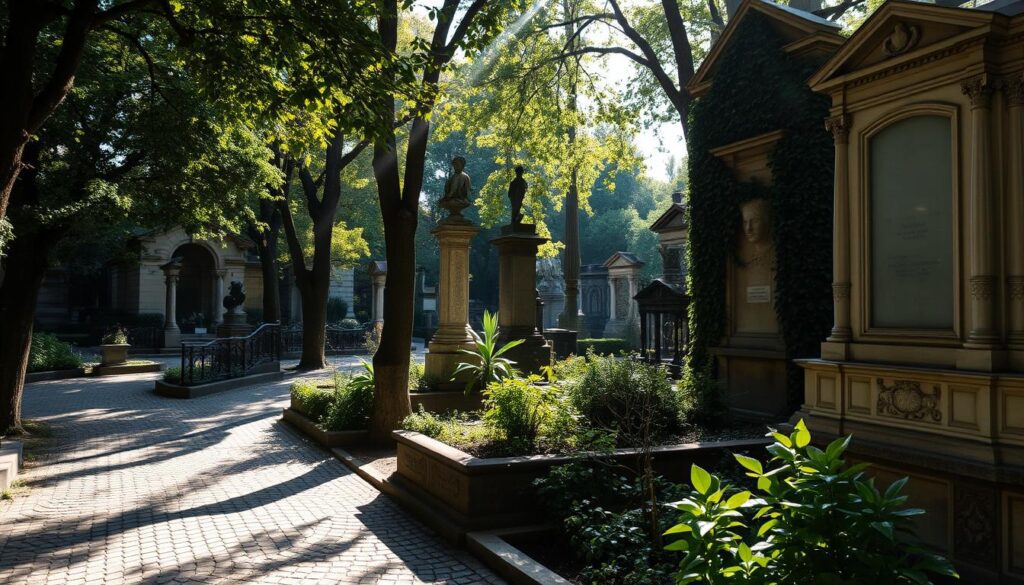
x=24 y=268
x=266 y=239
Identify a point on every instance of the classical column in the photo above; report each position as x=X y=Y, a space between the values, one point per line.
x=453 y=331
x=379 y=281
x=517 y=297
x=611 y=298
x=218 y=298
x=983 y=333
x=172 y=335
x=1014 y=89
x=841 y=331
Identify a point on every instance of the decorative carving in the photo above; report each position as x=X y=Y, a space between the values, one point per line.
x=983 y=287
x=839 y=126
x=974 y=526
x=905 y=399
x=1015 y=286
x=841 y=290
x=903 y=38
x=1013 y=87
x=979 y=90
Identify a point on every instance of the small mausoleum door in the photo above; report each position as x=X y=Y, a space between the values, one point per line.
x=195 y=287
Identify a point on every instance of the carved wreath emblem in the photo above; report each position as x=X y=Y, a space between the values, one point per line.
x=902 y=39
x=905 y=399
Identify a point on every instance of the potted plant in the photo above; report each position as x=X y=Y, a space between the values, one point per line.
x=114 y=346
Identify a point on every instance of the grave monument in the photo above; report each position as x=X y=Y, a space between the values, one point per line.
x=924 y=365
x=453 y=235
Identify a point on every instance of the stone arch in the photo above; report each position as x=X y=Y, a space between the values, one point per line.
x=197 y=284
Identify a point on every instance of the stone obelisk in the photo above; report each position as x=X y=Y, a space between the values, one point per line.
x=454 y=234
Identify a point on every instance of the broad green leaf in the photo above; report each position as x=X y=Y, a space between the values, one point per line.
x=749 y=463
x=700 y=478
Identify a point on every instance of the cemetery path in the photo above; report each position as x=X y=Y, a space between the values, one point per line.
x=135 y=488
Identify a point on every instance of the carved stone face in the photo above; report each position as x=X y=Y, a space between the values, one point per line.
x=755 y=220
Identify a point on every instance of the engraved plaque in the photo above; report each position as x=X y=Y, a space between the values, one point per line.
x=912 y=224
x=759 y=294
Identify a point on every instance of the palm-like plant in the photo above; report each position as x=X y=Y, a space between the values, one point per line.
x=363 y=379
x=489 y=366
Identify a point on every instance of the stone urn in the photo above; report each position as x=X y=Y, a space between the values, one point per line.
x=114 y=354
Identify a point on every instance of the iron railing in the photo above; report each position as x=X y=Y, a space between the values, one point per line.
x=338 y=339
x=145 y=337
x=230 y=357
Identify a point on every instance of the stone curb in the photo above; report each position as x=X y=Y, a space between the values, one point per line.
x=508 y=561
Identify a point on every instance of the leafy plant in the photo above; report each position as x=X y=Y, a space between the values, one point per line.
x=813 y=519
x=364 y=379
x=371 y=339
x=489 y=366
x=345 y=405
x=337 y=309
x=603 y=346
x=349 y=324
x=518 y=409
x=625 y=396
x=116 y=335
x=47 y=352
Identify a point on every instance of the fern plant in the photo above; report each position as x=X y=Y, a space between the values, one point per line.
x=488 y=365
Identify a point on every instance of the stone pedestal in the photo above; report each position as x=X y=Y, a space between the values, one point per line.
x=234 y=324
x=517 y=297
x=453 y=331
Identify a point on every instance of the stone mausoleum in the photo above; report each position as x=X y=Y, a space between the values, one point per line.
x=138 y=285
x=925 y=363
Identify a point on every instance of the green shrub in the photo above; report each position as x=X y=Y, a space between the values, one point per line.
x=345 y=406
x=607 y=346
x=633 y=399
x=199 y=373
x=172 y=375
x=350 y=407
x=416 y=371
x=337 y=309
x=49 y=353
x=310 y=400
x=349 y=324
x=568 y=370
x=116 y=335
x=703 y=399
x=813 y=519
x=451 y=429
x=518 y=409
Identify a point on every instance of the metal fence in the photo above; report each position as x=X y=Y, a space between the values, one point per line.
x=230 y=357
x=338 y=340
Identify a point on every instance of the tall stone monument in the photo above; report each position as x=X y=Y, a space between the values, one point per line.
x=517 y=294
x=453 y=235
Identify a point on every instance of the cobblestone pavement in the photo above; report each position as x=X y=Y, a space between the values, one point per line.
x=143 y=489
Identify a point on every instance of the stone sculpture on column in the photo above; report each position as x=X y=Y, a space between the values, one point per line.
x=454 y=234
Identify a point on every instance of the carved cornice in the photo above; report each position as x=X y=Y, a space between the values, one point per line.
x=979 y=90
x=923 y=60
x=839 y=126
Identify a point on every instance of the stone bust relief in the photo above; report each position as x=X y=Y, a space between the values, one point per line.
x=757 y=250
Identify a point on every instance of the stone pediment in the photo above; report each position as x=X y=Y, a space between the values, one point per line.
x=673 y=219
x=623 y=260
x=901 y=34
x=805 y=34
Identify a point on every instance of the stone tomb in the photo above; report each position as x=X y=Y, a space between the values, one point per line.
x=623 y=274
x=925 y=362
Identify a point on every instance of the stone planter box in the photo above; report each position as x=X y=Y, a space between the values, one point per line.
x=31 y=377
x=504 y=558
x=11 y=460
x=114 y=354
x=447 y=401
x=126 y=368
x=328 y=439
x=478 y=494
x=171 y=390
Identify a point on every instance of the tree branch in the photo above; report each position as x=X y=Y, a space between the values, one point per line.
x=835 y=12
x=63 y=77
x=117 y=11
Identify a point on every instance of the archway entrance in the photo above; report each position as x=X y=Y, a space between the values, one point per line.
x=195 y=287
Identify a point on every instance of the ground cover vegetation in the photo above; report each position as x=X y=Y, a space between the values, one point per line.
x=49 y=353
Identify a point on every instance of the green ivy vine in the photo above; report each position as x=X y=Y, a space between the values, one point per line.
x=759 y=89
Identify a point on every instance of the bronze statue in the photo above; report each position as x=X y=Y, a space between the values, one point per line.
x=516 y=194
x=456 y=189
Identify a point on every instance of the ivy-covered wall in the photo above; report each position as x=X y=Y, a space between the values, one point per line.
x=757 y=88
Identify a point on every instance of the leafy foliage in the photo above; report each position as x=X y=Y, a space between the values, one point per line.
x=344 y=406
x=116 y=335
x=603 y=346
x=627 y=397
x=758 y=79
x=488 y=365
x=49 y=353
x=337 y=308
x=813 y=519
x=518 y=410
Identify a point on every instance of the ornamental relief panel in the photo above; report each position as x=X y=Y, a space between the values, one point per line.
x=905 y=399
